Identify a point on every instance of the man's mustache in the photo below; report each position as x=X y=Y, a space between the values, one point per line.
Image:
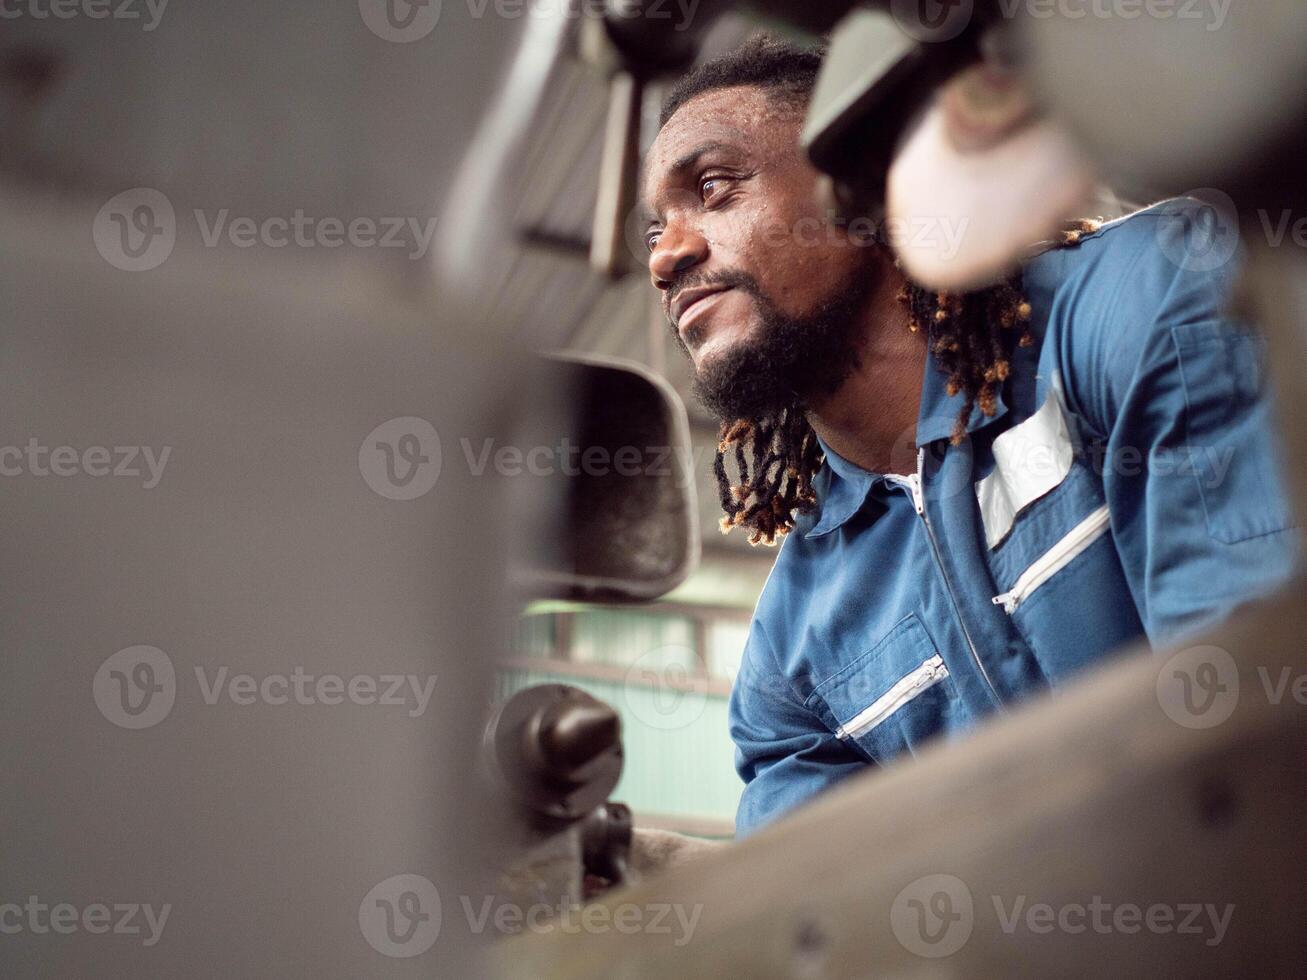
x=727 y=279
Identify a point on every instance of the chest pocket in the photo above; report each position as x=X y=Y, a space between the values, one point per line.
x=893 y=698
x=1062 y=580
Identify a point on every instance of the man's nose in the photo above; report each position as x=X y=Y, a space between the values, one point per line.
x=677 y=250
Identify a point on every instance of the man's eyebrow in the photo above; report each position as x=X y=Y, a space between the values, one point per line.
x=691 y=157
x=683 y=163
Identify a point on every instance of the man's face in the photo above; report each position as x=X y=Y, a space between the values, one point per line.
x=746 y=260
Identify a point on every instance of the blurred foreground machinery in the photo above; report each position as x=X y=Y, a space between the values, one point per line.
x=307 y=403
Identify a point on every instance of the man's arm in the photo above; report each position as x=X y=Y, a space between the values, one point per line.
x=783 y=752
x=1192 y=476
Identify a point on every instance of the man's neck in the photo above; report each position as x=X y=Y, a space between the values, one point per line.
x=872 y=419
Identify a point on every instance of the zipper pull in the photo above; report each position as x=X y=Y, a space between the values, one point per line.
x=1008 y=600
x=918 y=497
x=914 y=485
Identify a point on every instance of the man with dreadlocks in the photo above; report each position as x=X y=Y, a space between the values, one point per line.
x=978 y=495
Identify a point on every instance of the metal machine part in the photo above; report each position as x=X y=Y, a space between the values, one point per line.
x=630 y=529
x=555 y=754
x=557 y=750
x=878 y=76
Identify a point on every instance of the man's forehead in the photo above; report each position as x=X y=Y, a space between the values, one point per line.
x=743 y=118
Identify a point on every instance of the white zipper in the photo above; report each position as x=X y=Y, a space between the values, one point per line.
x=930 y=673
x=1056 y=558
x=914 y=483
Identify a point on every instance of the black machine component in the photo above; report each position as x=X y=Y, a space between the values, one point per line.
x=629 y=533
x=557 y=752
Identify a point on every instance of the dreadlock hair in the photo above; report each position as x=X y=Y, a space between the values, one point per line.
x=971 y=336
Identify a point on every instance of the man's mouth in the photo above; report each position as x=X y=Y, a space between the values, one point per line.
x=692 y=304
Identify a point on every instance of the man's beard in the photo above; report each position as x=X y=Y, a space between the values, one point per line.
x=789 y=360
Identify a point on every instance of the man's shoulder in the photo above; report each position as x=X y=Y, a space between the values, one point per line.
x=783 y=594
x=1134 y=264
x=1109 y=303
x=776 y=589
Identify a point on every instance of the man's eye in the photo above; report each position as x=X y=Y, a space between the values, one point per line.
x=707 y=184
x=651 y=240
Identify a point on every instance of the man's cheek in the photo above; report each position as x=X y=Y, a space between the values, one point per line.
x=749 y=227
x=775 y=235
